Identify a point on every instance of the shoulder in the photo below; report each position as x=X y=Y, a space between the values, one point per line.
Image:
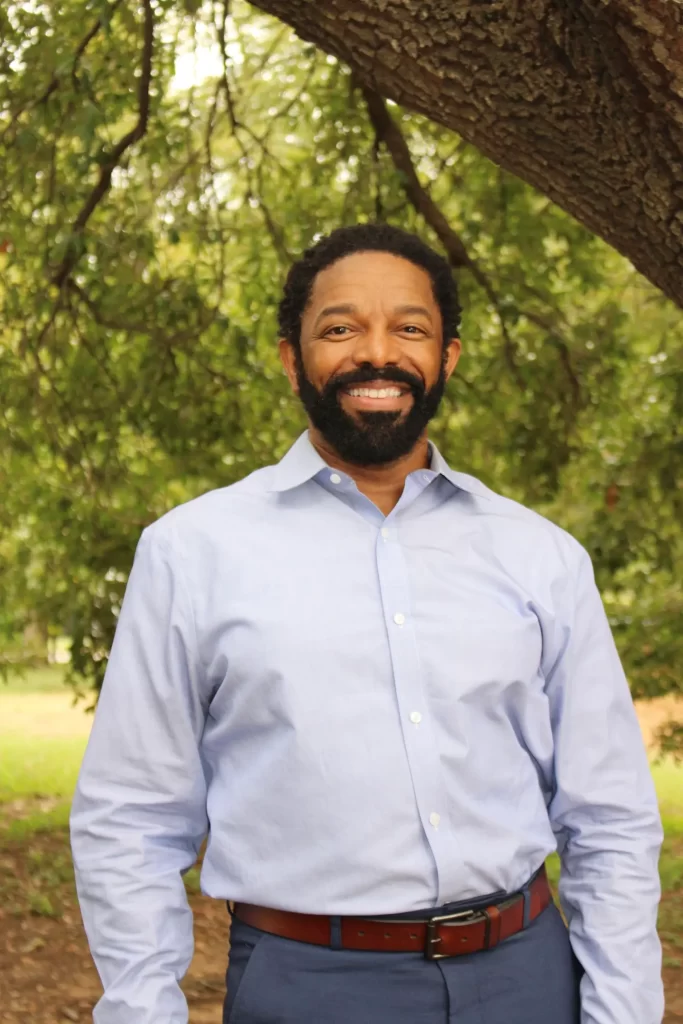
x=520 y=528
x=213 y=514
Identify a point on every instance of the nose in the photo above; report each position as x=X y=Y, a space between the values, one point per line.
x=376 y=345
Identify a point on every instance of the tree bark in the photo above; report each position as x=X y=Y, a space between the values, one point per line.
x=581 y=98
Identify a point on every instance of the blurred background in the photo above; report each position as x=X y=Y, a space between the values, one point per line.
x=161 y=165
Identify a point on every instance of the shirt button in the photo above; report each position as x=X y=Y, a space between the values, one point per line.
x=434 y=819
x=426 y=477
x=335 y=478
x=399 y=618
x=384 y=532
x=415 y=717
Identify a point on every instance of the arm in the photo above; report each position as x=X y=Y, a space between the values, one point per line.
x=139 y=814
x=604 y=812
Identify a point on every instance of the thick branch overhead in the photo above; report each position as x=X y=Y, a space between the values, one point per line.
x=582 y=100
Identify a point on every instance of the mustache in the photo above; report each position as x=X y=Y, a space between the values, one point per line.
x=391 y=375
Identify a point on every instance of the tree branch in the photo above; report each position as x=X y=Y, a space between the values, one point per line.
x=55 y=81
x=564 y=354
x=29 y=105
x=86 y=40
x=238 y=126
x=169 y=340
x=389 y=132
x=125 y=142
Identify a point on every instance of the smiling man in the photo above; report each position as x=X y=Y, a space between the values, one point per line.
x=377 y=365
x=386 y=693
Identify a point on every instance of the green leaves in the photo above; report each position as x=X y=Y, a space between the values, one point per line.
x=152 y=374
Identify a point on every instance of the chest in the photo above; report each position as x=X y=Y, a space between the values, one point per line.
x=310 y=623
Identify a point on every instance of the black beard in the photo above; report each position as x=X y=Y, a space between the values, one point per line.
x=373 y=438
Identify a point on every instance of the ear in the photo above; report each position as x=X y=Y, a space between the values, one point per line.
x=288 y=360
x=452 y=355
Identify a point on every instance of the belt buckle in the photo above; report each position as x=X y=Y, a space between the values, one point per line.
x=432 y=939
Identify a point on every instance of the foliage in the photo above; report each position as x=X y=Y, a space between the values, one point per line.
x=146 y=222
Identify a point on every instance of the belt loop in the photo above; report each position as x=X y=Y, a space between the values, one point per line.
x=335 y=933
x=492 y=933
x=526 y=894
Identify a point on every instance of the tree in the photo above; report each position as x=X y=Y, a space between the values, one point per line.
x=144 y=256
x=583 y=100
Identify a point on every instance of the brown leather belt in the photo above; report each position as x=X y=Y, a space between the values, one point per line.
x=468 y=931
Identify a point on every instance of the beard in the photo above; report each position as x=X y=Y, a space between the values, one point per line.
x=370 y=438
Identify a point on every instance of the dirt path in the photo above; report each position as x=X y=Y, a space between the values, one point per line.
x=47 y=976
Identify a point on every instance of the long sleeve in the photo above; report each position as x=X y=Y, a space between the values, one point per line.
x=605 y=816
x=139 y=813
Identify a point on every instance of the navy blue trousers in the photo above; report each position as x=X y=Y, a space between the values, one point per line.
x=531 y=978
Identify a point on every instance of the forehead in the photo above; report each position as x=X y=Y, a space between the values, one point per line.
x=369 y=278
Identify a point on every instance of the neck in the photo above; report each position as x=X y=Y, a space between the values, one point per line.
x=383 y=484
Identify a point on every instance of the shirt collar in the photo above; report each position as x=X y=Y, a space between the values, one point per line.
x=303 y=462
x=463 y=481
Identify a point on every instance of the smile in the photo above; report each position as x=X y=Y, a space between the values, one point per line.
x=375 y=392
x=372 y=394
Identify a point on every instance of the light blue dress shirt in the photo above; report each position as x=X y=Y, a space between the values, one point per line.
x=370 y=715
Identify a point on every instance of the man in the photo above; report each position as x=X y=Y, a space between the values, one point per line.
x=387 y=694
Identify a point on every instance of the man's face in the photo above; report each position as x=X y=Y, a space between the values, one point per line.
x=372 y=366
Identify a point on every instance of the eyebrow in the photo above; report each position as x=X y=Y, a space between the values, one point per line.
x=345 y=307
x=413 y=311
x=349 y=308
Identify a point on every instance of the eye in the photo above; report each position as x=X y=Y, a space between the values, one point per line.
x=337 y=331
x=412 y=329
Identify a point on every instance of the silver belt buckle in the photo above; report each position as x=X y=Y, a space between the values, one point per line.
x=432 y=939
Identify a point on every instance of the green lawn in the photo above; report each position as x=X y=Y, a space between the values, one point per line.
x=39 y=767
x=668 y=776
x=35 y=680
x=42 y=740
x=43 y=737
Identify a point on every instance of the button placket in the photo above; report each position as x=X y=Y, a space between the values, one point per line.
x=420 y=741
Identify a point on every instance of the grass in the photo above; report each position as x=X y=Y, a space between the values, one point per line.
x=671 y=859
x=43 y=738
x=49 y=679
x=44 y=768
x=54 y=819
x=668 y=778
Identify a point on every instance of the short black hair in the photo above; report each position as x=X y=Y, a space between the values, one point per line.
x=365 y=238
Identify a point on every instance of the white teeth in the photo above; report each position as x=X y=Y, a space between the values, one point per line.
x=375 y=393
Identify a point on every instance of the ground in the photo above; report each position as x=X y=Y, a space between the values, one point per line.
x=46 y=974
